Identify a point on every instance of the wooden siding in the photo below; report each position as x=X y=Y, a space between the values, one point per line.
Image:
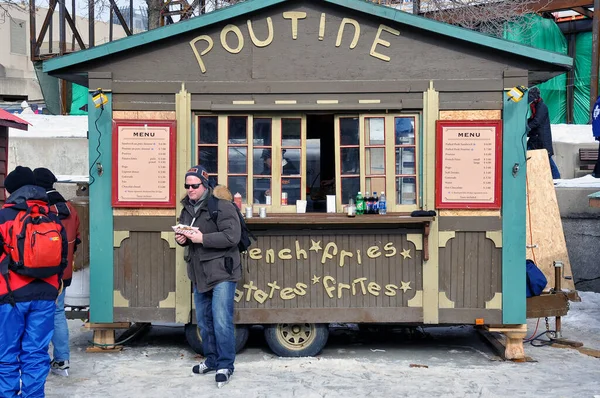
x=144 y=269
x=470 y=270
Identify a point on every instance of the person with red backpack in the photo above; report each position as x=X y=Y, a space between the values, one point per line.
x=70 y=221
x=32 y=260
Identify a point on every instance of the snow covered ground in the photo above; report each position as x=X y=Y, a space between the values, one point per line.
x=355 y=364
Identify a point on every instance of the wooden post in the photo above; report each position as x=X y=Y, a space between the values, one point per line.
x=595 y=54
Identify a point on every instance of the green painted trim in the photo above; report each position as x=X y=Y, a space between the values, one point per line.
x=150 y=36
x=249 y=6
x=455 y=32
x=514 y=304
x=101 y=217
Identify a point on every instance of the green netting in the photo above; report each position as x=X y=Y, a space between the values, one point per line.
x=79 y=98
x=49 y=85
x=583 y=66
x=543 y=33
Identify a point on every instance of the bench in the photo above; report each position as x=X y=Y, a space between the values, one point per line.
x=588 y=158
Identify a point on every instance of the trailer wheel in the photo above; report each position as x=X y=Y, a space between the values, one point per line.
x=192 y=335
x=296 y=339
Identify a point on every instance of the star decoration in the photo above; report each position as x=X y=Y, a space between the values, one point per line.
x=406 y=253
x=316 y=279
x=405 y=286
x=316 y=246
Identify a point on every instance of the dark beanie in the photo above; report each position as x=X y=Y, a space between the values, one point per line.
x=18 y=178
x=44 y=178
x=201 y=173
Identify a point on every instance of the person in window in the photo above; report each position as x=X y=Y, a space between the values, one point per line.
x=287 y=167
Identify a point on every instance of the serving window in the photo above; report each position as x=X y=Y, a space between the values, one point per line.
x=317 y=155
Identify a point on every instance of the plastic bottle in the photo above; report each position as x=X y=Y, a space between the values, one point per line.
x=360 y=204
x=375 y=207
x=382 y=204
x=369 y=207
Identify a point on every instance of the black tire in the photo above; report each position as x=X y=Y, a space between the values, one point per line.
x=192 y=335
x=297 y=339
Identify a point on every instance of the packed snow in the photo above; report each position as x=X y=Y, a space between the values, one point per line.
x=458 y=364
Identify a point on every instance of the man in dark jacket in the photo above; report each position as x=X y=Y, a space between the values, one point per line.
x=538 y=125
x=26 y=304
x=70 y=221
x=214 y=267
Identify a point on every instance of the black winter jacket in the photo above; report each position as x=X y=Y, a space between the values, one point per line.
x=540 y=135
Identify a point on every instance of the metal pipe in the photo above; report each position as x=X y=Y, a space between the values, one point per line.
x=33 y=49
x=131 y=15
x=558 y=267
x=75 y=23
x=62 y=29
x=91 y=28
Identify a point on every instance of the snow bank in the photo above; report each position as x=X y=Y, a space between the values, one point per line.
x=573 y=133
x=586 y=181
x=49 y=126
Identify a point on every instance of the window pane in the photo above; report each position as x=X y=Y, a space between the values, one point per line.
x=375 y=160
x=350 y=160
x=290 y=132
x=350 y=187
x=236 y=162
x=291 y=186
x=406 y=188
x=404 y=130
x=262 y=189
x=290 y=164
x=349 y=131
x=261 y=161
x=374 y=185
x=405 y=160
x=374 y=131
x=238 y=129
x=262 y=132
x=238 y=184
x=207 y=157
x=208 y=130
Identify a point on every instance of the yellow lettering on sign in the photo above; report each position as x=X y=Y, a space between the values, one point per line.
x=374 y=288
x=343 y=255
x=322 y=27
x=255 y=254
x=373 y=252
x=250 y=286
x=238 y=295
x=340 y=287
x=210 y=43
x=385 y=43
x=255 y=40
x=328 y=289
x=326 y=255
x=270 y=256
x=287 y=294
x=300 y=252
x=362 y=285
x=235 y=30
x=273 y=286
x=352 y=22
x=285 y=254
x=389 y=247
x=358 y=257
x=300 y=289
x=390 y=290
x=294 y=16
x=260 y=296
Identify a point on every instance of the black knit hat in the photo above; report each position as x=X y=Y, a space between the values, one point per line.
x=44 y=178
x=201 y=173
x=18 y=178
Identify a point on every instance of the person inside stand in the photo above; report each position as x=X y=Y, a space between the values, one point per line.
x=596 y=132
x=538 y=125
x=27 y=304
x=214 y=267
x=70 y=220
x=287 y=169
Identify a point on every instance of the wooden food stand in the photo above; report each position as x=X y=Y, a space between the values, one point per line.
x=347 y=96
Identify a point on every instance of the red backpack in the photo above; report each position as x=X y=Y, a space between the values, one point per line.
x=36 y=243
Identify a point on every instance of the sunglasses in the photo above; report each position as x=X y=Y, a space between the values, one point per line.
x=193 y=186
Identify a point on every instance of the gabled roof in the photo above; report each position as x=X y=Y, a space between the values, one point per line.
x=9 y=120
x=367 y=7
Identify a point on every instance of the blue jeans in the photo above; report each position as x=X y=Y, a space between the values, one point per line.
x=60 y=339
x=214 y=312
x=25 y=333
x=554 y=169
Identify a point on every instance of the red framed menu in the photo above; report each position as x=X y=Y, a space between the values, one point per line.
x=144 y=163
x=469 y=164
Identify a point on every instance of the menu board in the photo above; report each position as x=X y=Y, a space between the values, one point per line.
x=144 y=163
x=468 y=169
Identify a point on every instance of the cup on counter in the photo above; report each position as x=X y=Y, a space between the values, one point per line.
x=301 y=206
x=249 y=212
x=262 y=212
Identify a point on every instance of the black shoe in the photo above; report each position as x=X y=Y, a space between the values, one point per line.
x=222 y=377
x=202 y=369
